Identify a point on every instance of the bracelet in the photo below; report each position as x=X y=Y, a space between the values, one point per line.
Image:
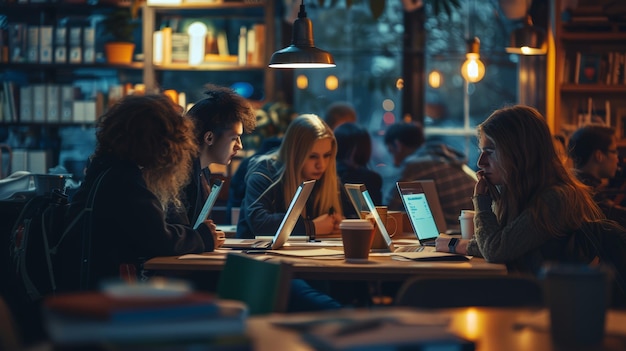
x=452 y=244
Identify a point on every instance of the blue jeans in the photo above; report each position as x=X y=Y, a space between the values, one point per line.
x=303 y=297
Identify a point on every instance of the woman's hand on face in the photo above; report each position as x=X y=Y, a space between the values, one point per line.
x=482 y=186
x=326 y=224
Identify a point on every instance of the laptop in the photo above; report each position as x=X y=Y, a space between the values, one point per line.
x=208 y=204
x=416 y=205
x=284 y=229
x=430 y=189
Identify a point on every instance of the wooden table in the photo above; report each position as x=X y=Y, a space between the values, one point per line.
x=491 y=329
x=377 y=269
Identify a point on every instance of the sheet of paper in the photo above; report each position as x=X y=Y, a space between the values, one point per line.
x=219 y=254
x=432 y=255
x=306 y=252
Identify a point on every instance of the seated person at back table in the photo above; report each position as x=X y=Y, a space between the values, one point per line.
x=220 y=119
x=430 y=159
x=593 y=148
x=354 y=149
x=338 y=113
x=527 y=203
x=146 y=148
x=307 y=152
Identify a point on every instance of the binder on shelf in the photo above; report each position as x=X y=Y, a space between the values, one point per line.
x=32 y=51
x=53 y=98
x=180 y=48
x=38 y=161
x=18 y=42
x=89 y=44
x=26 y=104
x=45 y=43
x=60 y=44
x=75 y=51
x=39 y=103
x=10 y=112
x=258 y=52
x=67 y=104
x=167 y=45
x=157 y=47
x=19 y=160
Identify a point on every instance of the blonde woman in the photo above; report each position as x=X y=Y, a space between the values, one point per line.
x=527 y=204
x=307 y=152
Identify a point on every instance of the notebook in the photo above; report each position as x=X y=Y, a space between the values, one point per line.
x=416 y=205
x=208 y=204
x=284 y=229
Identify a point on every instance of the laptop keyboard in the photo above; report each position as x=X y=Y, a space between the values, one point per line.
x=410 y=249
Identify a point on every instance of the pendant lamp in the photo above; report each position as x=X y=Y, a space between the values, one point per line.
x=473 y=69
x=302 y=52
x=528 y=40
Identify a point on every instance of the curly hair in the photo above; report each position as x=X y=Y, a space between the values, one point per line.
x=152 y=132
x=219 y=111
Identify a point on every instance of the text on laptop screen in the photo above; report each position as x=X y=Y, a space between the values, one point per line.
x=421 y=216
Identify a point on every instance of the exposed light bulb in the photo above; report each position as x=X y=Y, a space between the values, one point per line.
x=473 y=69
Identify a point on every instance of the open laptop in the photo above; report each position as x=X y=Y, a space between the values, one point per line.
x=418 y=209
x=284 y=229
x=208 y=204
x=430 y=189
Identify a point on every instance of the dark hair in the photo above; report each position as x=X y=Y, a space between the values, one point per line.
x=338 y=113
x=409 y=134
x=353 y=138
x=588 y=139
x=220 y=111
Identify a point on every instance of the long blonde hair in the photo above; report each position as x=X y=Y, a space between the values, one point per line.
x=530 y=165
x=297 y=143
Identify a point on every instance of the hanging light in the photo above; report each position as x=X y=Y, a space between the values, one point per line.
x=528 y=40
x=473 y=69
x=302 y=52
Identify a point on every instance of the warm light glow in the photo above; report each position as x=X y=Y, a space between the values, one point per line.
x=400 y=84
x=435 y=79
x=388 y=105
x=332 y=82
x=473 y=69
x=302 y=82
x=389 y=118
x=197 y=34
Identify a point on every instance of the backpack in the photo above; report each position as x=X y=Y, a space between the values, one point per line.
x=35 y=239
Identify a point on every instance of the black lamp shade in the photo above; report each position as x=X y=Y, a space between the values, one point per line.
x=528 y=40
x=302 y=52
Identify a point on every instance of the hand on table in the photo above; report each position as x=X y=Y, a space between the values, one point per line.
x=327 y=223
x=218 y=236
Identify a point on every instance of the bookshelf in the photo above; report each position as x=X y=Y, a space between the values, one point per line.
x=589 y=73
x=53 y=74
x=240 y=37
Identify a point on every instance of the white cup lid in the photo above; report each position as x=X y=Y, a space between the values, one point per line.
x=356 y=224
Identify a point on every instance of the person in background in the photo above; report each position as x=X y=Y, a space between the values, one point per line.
x=307 y=152
x=527 y=203
x=593 y=149
x=144 y=153
x=421 y=159
x=561 y=150
x=220 y=120
x=354 y=149
x=338 y=113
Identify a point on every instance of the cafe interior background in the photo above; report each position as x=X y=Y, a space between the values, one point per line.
x=396 y=60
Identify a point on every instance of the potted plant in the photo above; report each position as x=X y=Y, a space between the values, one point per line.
x=120 y=24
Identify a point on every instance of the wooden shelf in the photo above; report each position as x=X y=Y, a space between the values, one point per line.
x=593 y=88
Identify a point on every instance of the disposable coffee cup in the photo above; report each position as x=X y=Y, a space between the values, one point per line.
x=466 y=219
x=577 y=296
x=357 y=235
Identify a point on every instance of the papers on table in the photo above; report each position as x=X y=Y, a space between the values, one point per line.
x=431 y=256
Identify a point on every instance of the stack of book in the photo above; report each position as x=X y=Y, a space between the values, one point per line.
x=96 y=318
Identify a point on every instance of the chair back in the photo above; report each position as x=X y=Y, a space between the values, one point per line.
x=447 y=292
x=263 y=286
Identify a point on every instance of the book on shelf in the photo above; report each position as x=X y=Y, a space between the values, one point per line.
x=180 y=48
x=587 y=68
x=75 y=47
x=10 y=103
x=18 y=43
x=89 y=44
x=32 y=50
x=26 y=104
x=60 y=44
x=34 y=161
x=45 y=43
x=167 y=45
x=53 y=98
x=89 y=316
x=67 y=95
x=39 y=103
x=157 y=47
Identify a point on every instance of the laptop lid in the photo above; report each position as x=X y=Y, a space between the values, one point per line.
x=293 y=213
x=362 y=201
x=418 y=210
x=284 y=229
x=208 y=204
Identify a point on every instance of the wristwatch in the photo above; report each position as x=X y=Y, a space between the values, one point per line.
x=452 y=244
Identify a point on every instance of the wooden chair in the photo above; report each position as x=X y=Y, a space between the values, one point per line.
x=496 y=291
x=264 y=286
x=9 y=336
